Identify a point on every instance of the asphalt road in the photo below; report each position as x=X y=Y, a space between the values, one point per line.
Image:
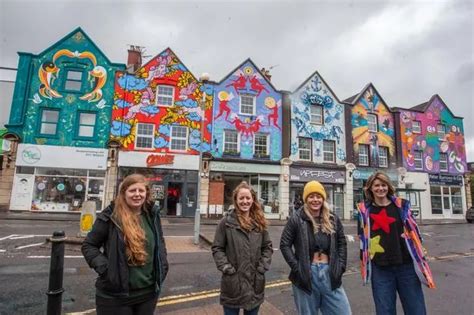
x=194 y=281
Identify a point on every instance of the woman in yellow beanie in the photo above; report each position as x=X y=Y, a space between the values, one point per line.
x=314 y=246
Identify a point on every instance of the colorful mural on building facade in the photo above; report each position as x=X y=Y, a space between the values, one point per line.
x=183 y=102
x=370 y=103
x=428 y=141
x=247 y=83
x=71 y=77
x=316 y=92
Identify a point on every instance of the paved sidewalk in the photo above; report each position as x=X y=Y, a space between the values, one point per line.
x=216 y=309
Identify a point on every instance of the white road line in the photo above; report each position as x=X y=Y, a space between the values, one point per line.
x=30 y=245
x=7 y=237
x=3 y=250
x=48 y=257
x=21 y=237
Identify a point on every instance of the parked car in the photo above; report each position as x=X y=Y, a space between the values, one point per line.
x=470 y=215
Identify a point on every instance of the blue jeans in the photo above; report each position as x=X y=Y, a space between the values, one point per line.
x=235 y=311
x=388 y=280
x=322 y=297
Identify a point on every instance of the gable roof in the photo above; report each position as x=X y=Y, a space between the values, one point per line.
x=316 y=73
x=423 y=107
x=355 y=98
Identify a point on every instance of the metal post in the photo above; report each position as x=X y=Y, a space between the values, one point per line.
x=55 y=288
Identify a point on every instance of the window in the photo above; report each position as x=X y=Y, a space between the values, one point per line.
x=73 y=80
x=383 y=157
x=329 y=148
x=164 y=95
x=436 y=201
x=316 y=114
x=443 y=162
x=416 y=126
x=372 y=122
x=418 y=160
x=261 y=145
x=456 y=200
x=49 y=122
x=441 y=131
x=363 y=154
x=231 y=142
x=86 y=124
x=144 y=139
x=179 y=138
x=304 y=149
x=247 y=104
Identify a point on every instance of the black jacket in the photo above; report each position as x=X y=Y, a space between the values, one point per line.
x=295 y=235
x=111 y=263
x=243 y=258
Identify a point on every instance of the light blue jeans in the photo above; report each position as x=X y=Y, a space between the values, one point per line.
x=322 y=297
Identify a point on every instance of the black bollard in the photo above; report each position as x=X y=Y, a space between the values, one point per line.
x=55 y=288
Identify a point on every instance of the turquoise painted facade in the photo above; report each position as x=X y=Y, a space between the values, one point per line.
x=64 y=95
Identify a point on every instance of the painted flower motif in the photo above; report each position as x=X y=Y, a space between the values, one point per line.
x=185 y=79
x=248 y=70
x=70 y=98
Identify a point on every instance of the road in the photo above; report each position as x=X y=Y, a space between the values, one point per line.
x=193 y=280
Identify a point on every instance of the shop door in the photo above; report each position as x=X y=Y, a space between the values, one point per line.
x=339 y=204
x=22 y=192
x=189 y=200
x=447 y=212
x=95 y=192
x=173 y=199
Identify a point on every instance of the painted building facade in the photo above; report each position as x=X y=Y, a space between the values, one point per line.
x=432 y=142
x=60 y=121
x=157 y=119
x=246 y=138
x=318 y=142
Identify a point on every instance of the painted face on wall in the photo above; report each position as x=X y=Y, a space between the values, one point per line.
x=315 y=202
x=135 y=196
x=244 y=200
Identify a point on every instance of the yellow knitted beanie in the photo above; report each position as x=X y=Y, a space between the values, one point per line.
x=313 y=187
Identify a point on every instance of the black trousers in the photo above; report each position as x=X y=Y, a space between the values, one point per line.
x=143 y=308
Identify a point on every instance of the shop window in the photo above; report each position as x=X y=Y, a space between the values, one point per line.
x=164 y=95
x=363 y=154
x=304 y=149
x=416 y=126
x=316 y=112
x=231 y=142
x=269 y=195
x=329 y=148
x=383 y=157
x=73 y=80
x=443 y=162
x=261 y=145
x=86 y=126
x=436 y=201
x=179 y=138
x=144 y=136
x=49 y=122
x=247 y=104
x=25 y=170
x=418 y=160
x=456 y=200
x=441 y=129
x=372 y=122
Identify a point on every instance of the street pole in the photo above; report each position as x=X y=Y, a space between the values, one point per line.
x=55 y=288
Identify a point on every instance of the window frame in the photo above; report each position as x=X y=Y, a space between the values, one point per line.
x=158 y=95
x=40 y=122
x=415 y=159
x=438 y=131
x=65 y=79
x=186 y=139
x=152 y=136
x=445 y=155
x=224 y=142
x=376 y=123
x=78 y=124
x=418 y=123
x=333 y=152
x=310 y=149
x=321 y=115
x=383 y=149
x=361 y=145
x=254 y=105
x=267 y=143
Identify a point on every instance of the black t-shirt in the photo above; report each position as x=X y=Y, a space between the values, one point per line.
x=387 y=246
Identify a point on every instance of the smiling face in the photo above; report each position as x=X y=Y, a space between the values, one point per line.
x=135 y=196
x=244 y=200
x=379 y=189
x=315 y=202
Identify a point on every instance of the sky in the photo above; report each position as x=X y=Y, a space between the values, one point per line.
x=409 y=50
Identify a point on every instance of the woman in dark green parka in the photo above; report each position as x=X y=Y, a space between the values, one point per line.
x=242 y=250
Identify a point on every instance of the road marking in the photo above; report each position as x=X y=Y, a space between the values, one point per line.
x=3 y=250
x=462 y=255
x=48 y=257
x=7 y=237
x=350 y=238
x=30 y=245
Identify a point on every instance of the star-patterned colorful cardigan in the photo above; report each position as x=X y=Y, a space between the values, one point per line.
x=411 y=235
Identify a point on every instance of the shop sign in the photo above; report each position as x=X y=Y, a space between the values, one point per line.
x=365 y=174
x=158 y=159
x=445 y=179
x=304 y=174
x=244 y=168
x=61 y=157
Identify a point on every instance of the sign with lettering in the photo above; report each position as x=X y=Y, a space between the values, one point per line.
x=445 y=179
x=156 y=160
x=237 y=167
x=304 y=174
x=159 y=159
x=364 y=173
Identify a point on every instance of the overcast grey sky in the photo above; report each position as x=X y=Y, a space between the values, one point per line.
x=409 y=50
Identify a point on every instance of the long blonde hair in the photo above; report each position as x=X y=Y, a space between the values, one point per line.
x=130 y=223
x=325 y=214
x=255 y=213
x=381 y=176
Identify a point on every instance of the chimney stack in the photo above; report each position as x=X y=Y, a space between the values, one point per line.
x=134 y=60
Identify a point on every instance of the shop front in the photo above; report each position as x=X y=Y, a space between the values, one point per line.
x=58 y=179
x=173 y=179
x=447 y=196
x=360 y=176
x=333 y=181
x=226 y=176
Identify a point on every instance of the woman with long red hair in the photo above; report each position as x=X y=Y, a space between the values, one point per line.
x=127 y=250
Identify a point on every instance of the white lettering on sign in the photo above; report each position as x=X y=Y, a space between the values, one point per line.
x=316 y=173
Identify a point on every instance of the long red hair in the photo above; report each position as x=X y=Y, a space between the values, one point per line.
x=256 y=216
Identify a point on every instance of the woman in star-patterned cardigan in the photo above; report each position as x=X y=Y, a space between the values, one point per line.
x=391 y=254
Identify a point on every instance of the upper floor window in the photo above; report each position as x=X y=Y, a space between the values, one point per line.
x=145 y=136
x=316 y=114
x=49 y=122
x=329 y=151
x=179 y=138
x=247 y=104
x=416 y=126
x=164 y=95
x=418 y=160
x=443 y=162
x=231 y=142
x=261 y=144
x=383 y=157
x=304 y=149
x=363 y=154
x=86 y=125
x=372 y=122
x=441 y=131
x=73 y=82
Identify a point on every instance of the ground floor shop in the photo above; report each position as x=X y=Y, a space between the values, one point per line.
x=447 y=196
x=58 y=179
